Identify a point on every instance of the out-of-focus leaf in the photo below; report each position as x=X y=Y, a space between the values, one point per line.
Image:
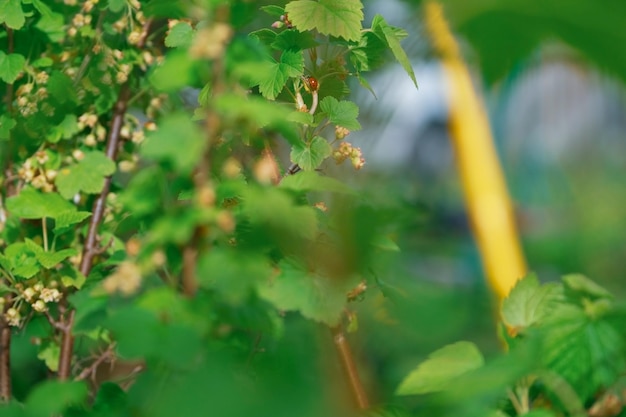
x=53 y=397
x=442 y=367
x=10 y=66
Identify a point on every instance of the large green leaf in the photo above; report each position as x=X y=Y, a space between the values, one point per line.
x=6 y=124
x=11 y=66
x=33 y=204
x=179 y=35
x=312 y=181
x=340 y=18
x=11 y=14
x=87 y=175
x=442 y=367
x=301 y=289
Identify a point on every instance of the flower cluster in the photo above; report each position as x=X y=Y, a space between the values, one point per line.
x=37 y=296
x=30 y=94
x=347 y=151
x=34 y=172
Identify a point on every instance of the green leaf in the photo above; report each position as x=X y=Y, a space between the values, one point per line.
x=11 y=14
x=32 y=204
x=275 y=210
x=233 y=274
x=179 y=36
x=177 y=140
x=392 y=37
x=442 y=367
x=22 y=258
x=117 y=5
x=50 y=355
x=11 y=66
x=294 y=40
x=581 y=284
x=68 y=218
x=529 y=303
x=65 y=130
x=265 y=36
x=303 y=118
x=274 y=75
x=51 y=259
x=273 y=10
x=341 y=113
x=312 y=181
x=370 y=52
x=86 y=176
x=340 y=18
x=299 y=289
x=61 y=87
x=53 y=397
x=174 y=73
x=6 y=125
x=311 y=155
x=587 y=353
x=43 y=62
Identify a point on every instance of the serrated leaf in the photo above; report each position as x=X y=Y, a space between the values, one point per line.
x=529 y=303
x=340 y=18
x=51 y=259
x=32 y=204
x=310 y=156
x=587 y=353
x=11 y=66
x=6 y=125
x=312 y=181
x=341 y=113
x=179 y=35
x=87 y=175
x=178 y=141
x=43 y=62
x=53 y=397
x=392 y=37
x=274 y=75
x=294 y=40
x=273 y=10
x=441 y=368
x=299 y=289
x=11 y=14
x=68 y=218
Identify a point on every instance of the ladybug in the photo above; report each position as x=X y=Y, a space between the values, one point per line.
x=311 y=83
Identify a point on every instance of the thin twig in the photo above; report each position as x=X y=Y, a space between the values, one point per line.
x=91 y=369
x=5 y=354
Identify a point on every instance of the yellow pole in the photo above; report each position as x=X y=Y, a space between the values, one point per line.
x=487 y=199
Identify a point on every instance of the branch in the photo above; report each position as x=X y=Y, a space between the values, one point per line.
x=5 y=354
x=349 y=367
x=91 y=369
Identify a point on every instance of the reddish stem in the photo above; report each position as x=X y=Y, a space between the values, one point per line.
x=349 y=367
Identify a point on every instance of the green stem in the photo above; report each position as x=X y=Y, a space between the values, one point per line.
x=44 y=229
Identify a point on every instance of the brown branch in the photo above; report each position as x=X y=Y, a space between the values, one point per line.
x=349 y=367
x=5 y=354
x=5 y=329
x=91 y=247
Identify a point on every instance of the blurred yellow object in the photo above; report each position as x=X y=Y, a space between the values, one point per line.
x=487 y=199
